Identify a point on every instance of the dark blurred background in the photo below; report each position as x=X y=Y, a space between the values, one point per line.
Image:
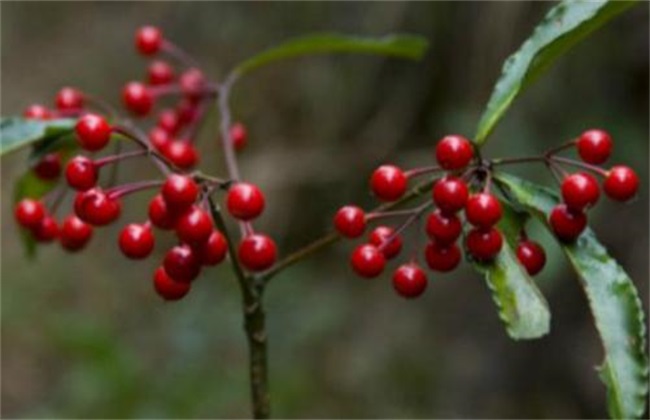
x=85 y=336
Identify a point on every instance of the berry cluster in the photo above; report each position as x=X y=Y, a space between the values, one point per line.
x=181 y=202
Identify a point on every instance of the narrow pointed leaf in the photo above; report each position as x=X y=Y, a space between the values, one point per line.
x=16 y=132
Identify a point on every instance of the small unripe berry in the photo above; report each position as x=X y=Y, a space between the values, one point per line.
x=37 y=112
x=454 y=152
x=160 y=73
x=484 y=244
x=388 y=183
x=567 y=224
x=350 y=221
x=443 y=229
x=367 y=261
x=379 y=237
x=580 y=191
x=594 y=146
x=483 y=210
x=442 y=258
x=69 y=99
x=181 y=154
x=81 y=173
x=136 y=241
x=29 y=213
x=450 y=194
x=245 y=201
x=409 y=280
x=182 y=264
x=48 y=167
x=75 y=233
x=194 y=226
x=93 y=132
x=47 y=230
x=238 y=136
x=137 y=98
x=621 y=183
x=532 y=256
x=179 y=192
x=257 y=252
x=214 y=250
x=167 y=288
x=148 y=40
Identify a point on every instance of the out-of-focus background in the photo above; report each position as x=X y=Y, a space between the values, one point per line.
x=85 y=336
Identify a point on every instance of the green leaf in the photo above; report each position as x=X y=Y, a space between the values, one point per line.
x=402 y=46
x=614 y=302
x=18 y=132
x=563 y=26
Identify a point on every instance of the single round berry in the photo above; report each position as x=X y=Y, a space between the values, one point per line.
x=96 y=207
x=409 y=280
x=621 y=183
x=367 y=261
x=566 y=223
x=37 y=112
x=29 y=213
x=179 y=192
x=245 y=201
x=136 y=241
x=238 y=136
x=47 y=230
x=81 y=173
x=159 y=138
x=580 y=191
x=442 y=258
x=484 y=244
x=181 y=153
x=450 y=194
x=379 y=237
x=160 y=215
x=350 y=221
x=137 y=98
x=214 y=250
x=388 y=183
x=167 y=288
x=148 y=40
x=69 y=99
x=483 y=210
x=93 y=132
x=75 y=233
x=48 y=167
x=160 y=73
x=168 y=121
x=194 y=226
x=182 y=264
x=193 y=83
x=532 y=256
x=444 y=229
x=594 y=146
x=186 y=110
x=257 y=252
x=454 y=152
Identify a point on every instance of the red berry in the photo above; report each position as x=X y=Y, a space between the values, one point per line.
x=182 y=264
x=136 y=241
x=367 y=261
x=160 y=215
x=186 y=110
x=245 y=201
x=94 y=206
x=257 y=252
x=179 y=192
x=450 y=194
x=194 y=226
x=160 y=73
x=238 y=136
x=137 y=98
x=168 y=121
x=442 y=258
x=69 y=99
x=167 y=288
x=159 y=138
x=37 y=112
x=74 y=233
x=409 y=280
x=93 y=132
x=484 y=244
x=380 y=235
x=454 y=152
x=532 y=256
x=580 y=191
x=567 y=224
x=47 y=230
x=48 y=167
x=148 y=40
x=483 y=210
x=214 y=250
x=594 y=146
x=350 y=221
x=193 y=83
x=444 y=229
x=621 y=183
x=29 y=213
x=388 y=182
x=81 y=173
x=181 y=154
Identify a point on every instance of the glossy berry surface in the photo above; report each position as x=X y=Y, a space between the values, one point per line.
x=484 y=244
x=179 y=192
x=181 y=154
x=68 y=99
x=214 y=250
x=192 y=83
x=594 y=146
x=182 y=264
x=168 y=120
x=75 y=233
x=532 y=256
x=93 y=132
x=136 y=241
x=48 y=167
x=94 y=206
x=167 y=288
x=367 y=261
x=454 y=152
x=29 y=213
x=160 y=215
x=567 y=224
x=244 y=201
x=47 y=230
x=257 y=252
x=159 y=138
x=37 y=112
x=621 y=183
x=350 y=221
x=388 y=183
x=450 y=194
x=483 y=210
x=160 y=73
x=442 y=258
x=148 y=40
x=443 y=229
x=409 y=280
x=238 y=136
x=137 y=98
x=194 y=226
x=379 y=237
x=81 y=173
x=580 y=191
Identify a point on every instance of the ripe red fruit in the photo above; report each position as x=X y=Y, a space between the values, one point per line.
x=48 y=167
x=137 y=98
x=94 y=206
x=69 y=99
x=409 y=280
x=621 y=183
x=186 y=110
x=380 y=235
x=148 y=40
x=29 y=213
x=388 y=182
x=136 y=241
x=167 y=288
x=160 y=215
x=81 y=173
x=367 y=261
x=450 y=194
x=168 y=121
x=182 y=264
x=179 y=192
x=47 y=230
x=532 y=256
x=181 y=154
x=594 y=146
x=350 y=221
x=214 y=250
x=454 y=152
x=580 y=191
x=160 y=73
x=567 y=224
x=245 y=201
x=257 y=252
x=194 y=226
x=443 y=229
x=159 y=138
x=484 y=244
x=442 y=258
x=93 y=132
x=238 y=136
x=192 y=83
x=75 y=233
x=483 y=210
x=37 y=112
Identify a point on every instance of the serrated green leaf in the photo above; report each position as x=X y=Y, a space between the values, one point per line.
x=402 y=46
x=564 y=26
x=18 y=132
x=613 y=300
